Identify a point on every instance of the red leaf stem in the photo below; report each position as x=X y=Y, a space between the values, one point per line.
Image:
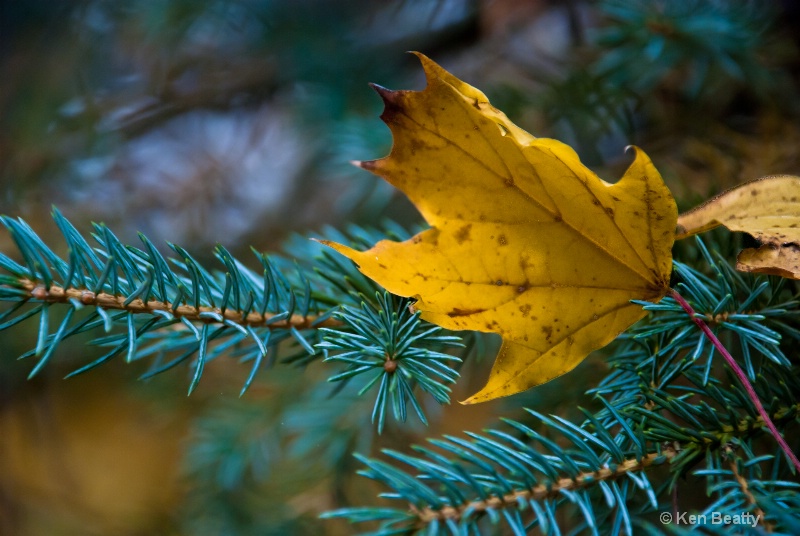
x=740 y=374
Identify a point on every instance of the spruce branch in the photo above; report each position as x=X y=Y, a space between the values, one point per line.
x=171 y=308
x=499 y=476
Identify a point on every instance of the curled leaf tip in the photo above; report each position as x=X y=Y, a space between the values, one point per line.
x=389 y=96
x=369 y=165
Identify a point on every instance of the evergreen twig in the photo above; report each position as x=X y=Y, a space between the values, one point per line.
x=395 y=349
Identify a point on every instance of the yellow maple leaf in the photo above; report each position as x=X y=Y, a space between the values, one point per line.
x=769 y=210
x=525 y=240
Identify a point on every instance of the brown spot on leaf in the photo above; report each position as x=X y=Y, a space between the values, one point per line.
x=415 y=144
x=525 y=310
x=463 y=233
x=548 y=332
x=502 y=240
x=463 y=312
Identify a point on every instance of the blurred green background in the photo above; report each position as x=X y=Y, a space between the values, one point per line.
x=233 y=122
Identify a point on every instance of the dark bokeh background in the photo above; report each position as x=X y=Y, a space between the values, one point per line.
x=233 y=121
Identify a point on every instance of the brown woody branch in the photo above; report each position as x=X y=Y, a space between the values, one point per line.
x=543 y=491
x=56 y=294
x=745 y=487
